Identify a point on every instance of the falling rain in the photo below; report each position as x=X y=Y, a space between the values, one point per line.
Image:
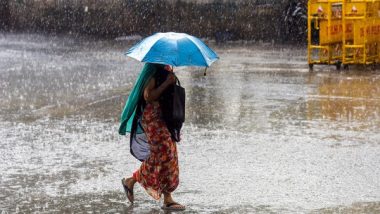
x=263 y=133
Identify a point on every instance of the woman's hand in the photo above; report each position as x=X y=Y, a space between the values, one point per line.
x=171 y=79
x=151 y=93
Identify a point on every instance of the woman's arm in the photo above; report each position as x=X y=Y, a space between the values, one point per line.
x=152 y=94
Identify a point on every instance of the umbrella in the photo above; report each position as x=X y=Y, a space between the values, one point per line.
x=176 y=49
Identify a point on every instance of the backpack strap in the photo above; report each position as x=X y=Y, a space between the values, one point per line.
x=177 y=80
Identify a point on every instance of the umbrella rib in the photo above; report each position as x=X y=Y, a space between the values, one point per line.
x=130 y=51
x=176 y=47
x=196 y=45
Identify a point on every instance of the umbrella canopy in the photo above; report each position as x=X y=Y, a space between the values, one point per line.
x=177 y=49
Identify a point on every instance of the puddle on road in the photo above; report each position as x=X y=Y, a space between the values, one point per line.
x=262 y=134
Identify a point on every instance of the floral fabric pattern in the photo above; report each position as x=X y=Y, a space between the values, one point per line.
x=159 y=173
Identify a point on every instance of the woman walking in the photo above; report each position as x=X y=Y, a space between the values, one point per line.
x=142 y=117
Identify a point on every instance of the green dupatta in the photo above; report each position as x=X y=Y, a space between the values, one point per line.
x=129 y=111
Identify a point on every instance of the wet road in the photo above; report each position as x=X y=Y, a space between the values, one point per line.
x=262 y=134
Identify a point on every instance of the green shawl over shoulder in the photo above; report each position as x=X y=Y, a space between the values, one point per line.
x=137 y=92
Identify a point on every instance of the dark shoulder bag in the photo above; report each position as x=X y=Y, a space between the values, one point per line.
x=173 y=109
x=172 y=102
x=179 y=100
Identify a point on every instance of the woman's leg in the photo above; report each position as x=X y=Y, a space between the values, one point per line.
x=130 y=182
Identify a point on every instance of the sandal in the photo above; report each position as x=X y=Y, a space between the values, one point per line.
x=171 y=207
x=127 y=191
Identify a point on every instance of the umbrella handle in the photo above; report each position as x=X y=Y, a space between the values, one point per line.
x=205 y=73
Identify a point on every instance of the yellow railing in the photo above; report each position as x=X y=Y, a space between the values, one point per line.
x=364 y=16
x=324 y=32
x=343 y=31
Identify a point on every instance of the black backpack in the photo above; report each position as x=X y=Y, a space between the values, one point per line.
x=172 y=102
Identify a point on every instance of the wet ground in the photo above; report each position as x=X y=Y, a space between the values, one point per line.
x=262 y=133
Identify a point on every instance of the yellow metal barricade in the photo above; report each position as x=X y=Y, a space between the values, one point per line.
x=343 y=31
x=325 y=32
x=362 y=17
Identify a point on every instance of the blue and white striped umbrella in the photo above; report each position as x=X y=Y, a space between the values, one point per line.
x=176 y=49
